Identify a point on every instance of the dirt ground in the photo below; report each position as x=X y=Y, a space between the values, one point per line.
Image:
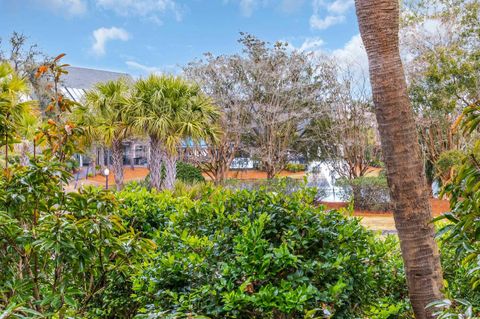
x=373 y=220
x=139 y=173
x=384 y=220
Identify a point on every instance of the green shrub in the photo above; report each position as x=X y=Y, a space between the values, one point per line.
x=446 y=162
x=284 y=185
x=458 y=275
x=73 y=164
x=293 y=167
x=188 y=173
x=368 y=192
x=61 y=253
x=448 y=159
x=257 y=254
x=377 y=163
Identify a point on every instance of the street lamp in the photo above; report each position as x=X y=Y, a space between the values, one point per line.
x=106 y=172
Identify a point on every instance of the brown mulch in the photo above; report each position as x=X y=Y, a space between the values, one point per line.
x=384 y=220
x=439 y=207
x=139 y=173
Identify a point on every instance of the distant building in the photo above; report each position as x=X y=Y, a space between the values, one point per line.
x=79 y=80
x=74 y=86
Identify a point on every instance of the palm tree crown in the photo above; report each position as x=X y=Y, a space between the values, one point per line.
x=170 y=109
x=103 y=114
x=104 y=120
x=14 y=106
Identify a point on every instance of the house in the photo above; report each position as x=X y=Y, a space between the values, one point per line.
x=74 y=86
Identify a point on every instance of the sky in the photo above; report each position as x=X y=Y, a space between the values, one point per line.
x=143 y=36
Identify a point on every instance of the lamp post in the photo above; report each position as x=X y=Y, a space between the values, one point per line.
x=106 y=172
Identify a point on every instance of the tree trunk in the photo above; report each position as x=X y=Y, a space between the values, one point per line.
x=379 y=26
x=101 y=157
x=221 y=174
x=271 y=171
x=94 y=162
x=117 y=163
x=156 y=157
x=132 y=156
x=170 y=171
x=23 y=148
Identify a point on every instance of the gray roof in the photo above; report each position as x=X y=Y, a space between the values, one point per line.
x=83 y=78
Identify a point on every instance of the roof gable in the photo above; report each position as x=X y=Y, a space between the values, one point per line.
x=85 y=79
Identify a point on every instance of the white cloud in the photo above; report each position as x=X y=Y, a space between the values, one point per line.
x=321 y=24
x=150 y=9
x=103 y=35
x=312 y=44
x=247 y=7
x=146 y=69
x=290 y=6
x=143 y=68
x=71 y=7
x=329 y=13
x=340 y=6
x=352 y=52
x=352 y=58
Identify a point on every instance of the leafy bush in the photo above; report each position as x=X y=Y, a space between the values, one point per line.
x=376 y=162
x=446 y=162
x=73 y=164
x=188 y=173
x=369 y=193
x=59 y=252
x=458 y=278
x=461 y=300
x=461 y=233
x=293 y=167
x=257 y=254
x=284 y=185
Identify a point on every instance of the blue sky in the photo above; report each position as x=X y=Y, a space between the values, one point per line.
x=142 y=36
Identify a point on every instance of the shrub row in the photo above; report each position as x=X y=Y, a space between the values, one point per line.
x=257 y=254
x=293 y=167
x=368 y=193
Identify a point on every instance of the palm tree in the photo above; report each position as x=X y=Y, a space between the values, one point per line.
x=104 y=121
x=14 y=106
x=170 y=110
x=27 y=127
x=379 y=26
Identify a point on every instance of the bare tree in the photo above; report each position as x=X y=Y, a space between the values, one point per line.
x=440 y=45
x=217 y=76
x=346 y=135
x=268 y=95
x=25 y=59
x=283 y=90
x=22 y=56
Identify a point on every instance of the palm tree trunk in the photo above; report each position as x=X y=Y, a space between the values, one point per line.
x=132 y=156
x=379 y=26
x=170 y=171
x=117 y=163
x=94 y=161
x=101 y=157
x=156 y=157
x=24 y=148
